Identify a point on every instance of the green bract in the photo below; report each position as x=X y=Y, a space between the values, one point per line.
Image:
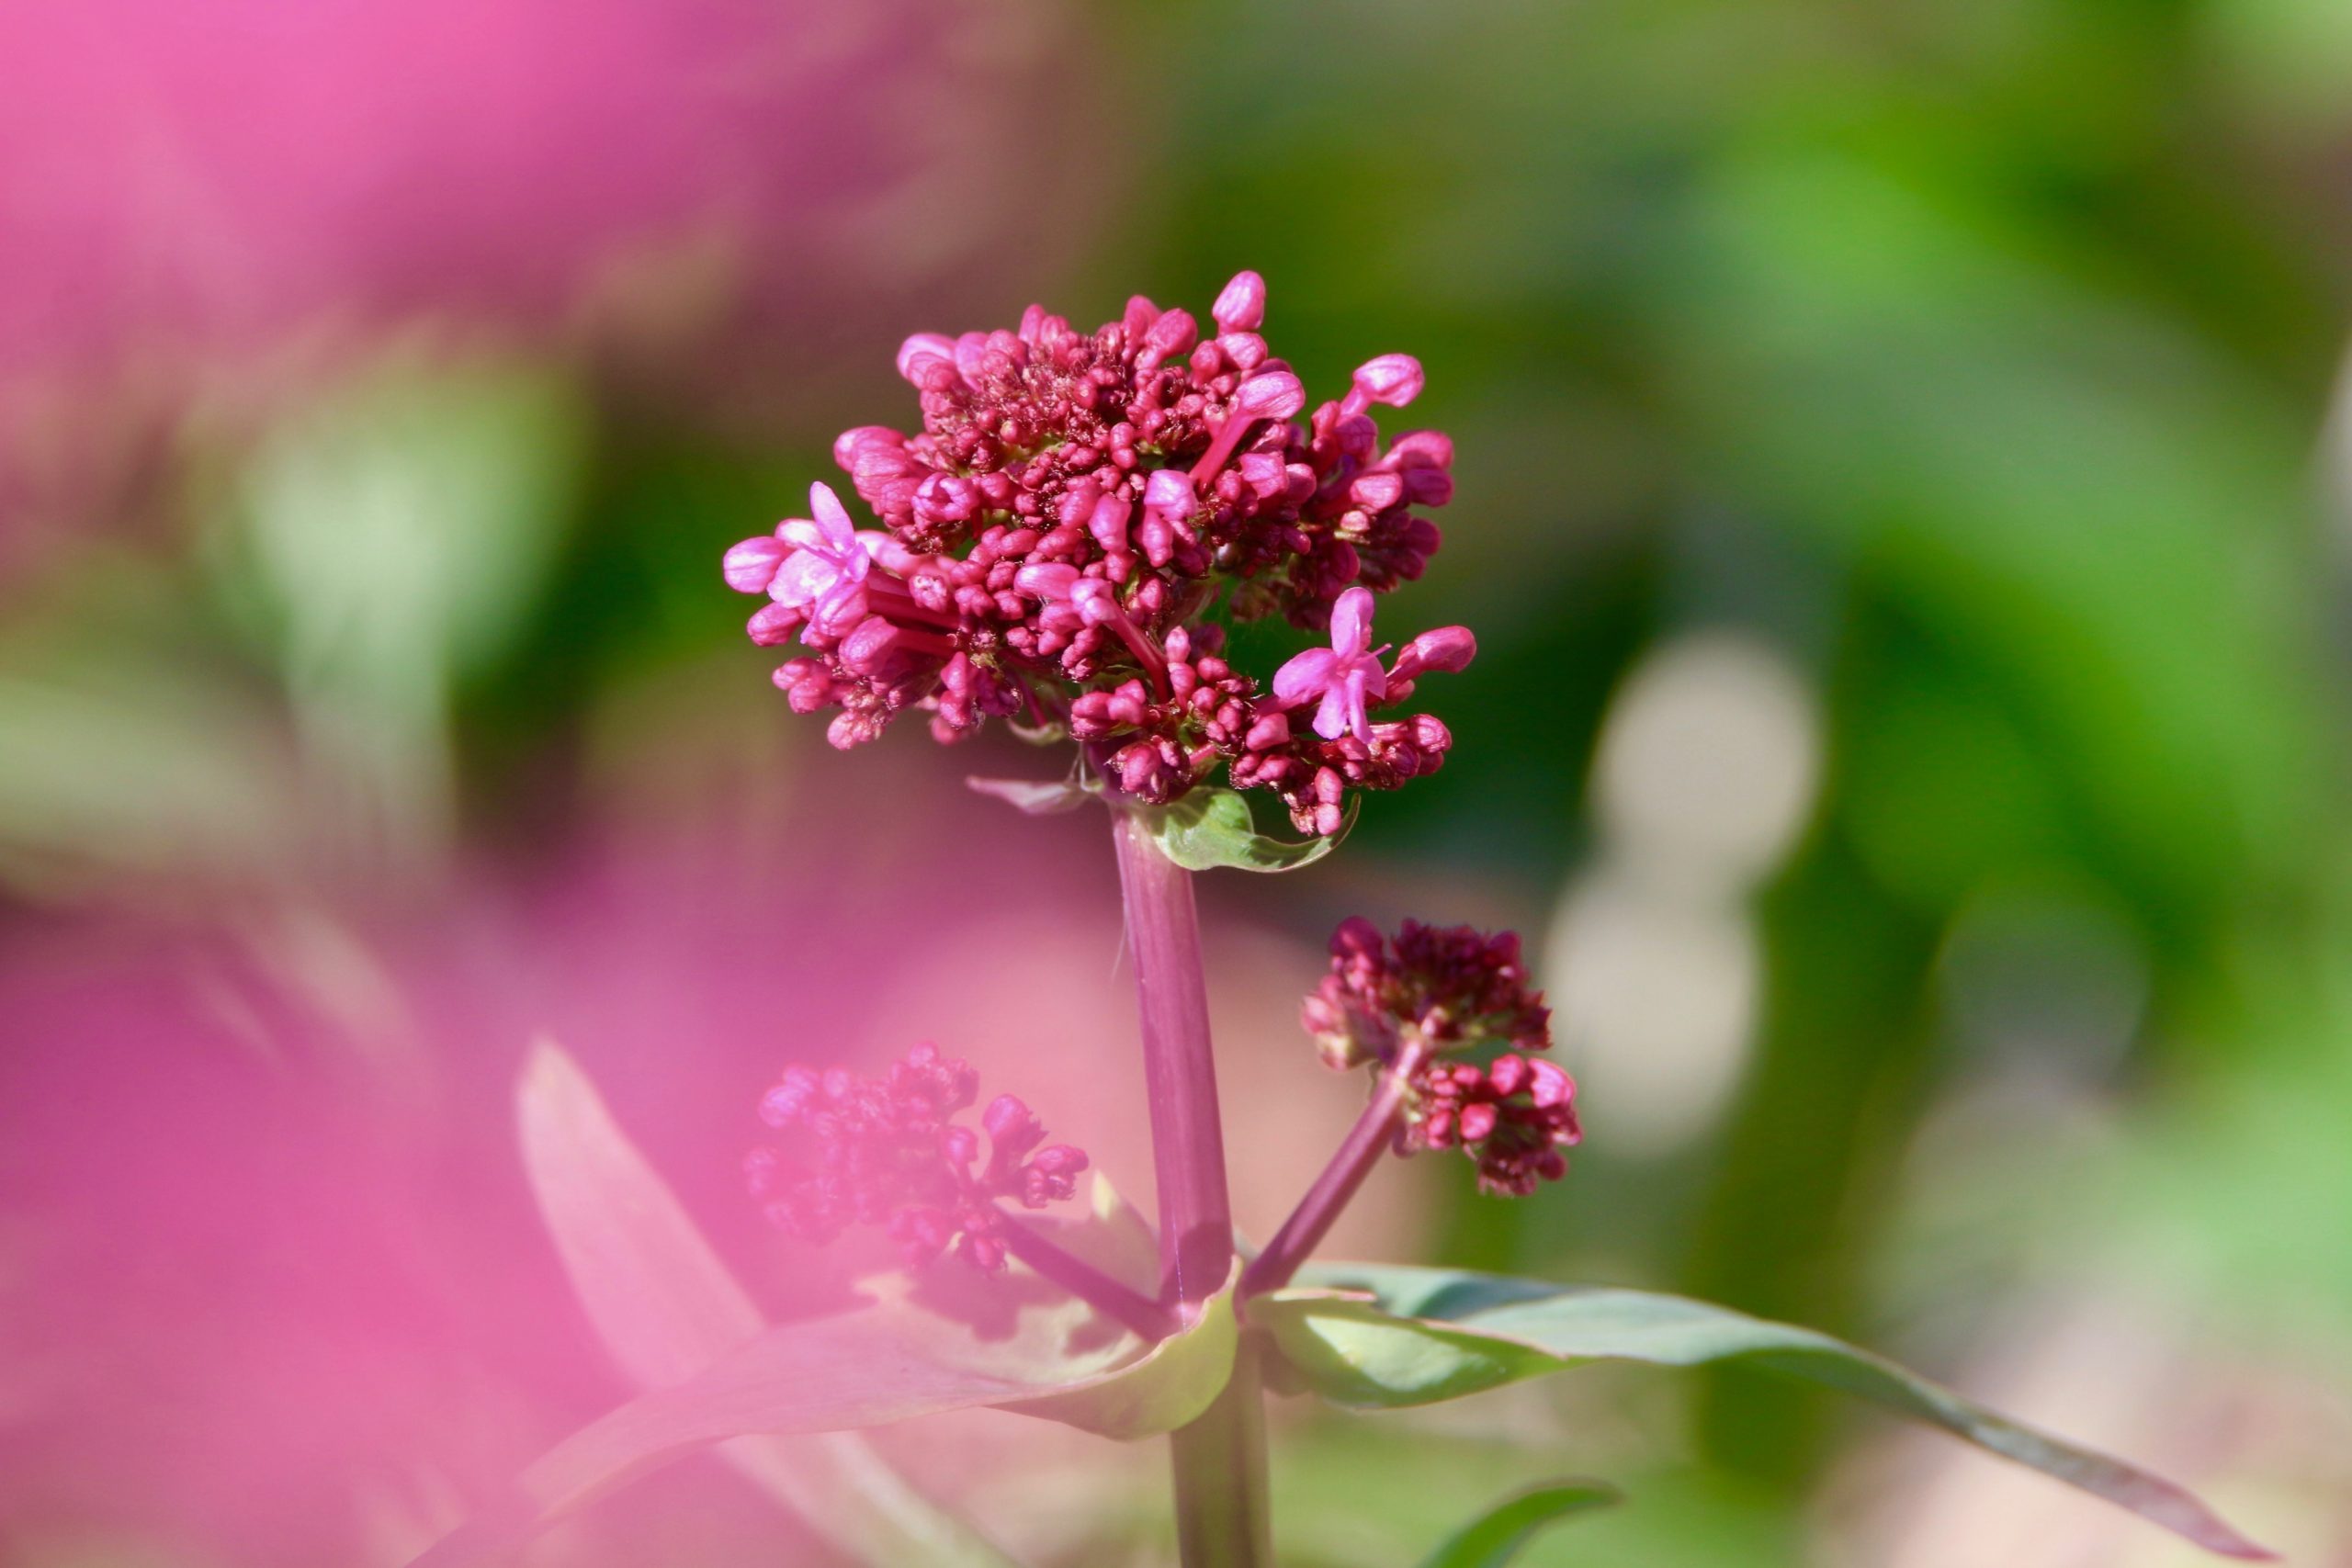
x=1378 y=1335
x=1211 y=828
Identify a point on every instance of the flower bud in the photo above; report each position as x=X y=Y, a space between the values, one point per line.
x=1241 y=304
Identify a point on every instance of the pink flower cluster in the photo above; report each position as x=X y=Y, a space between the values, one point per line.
x=1075 y=511
x=886 y=1151
x=1420 y=1005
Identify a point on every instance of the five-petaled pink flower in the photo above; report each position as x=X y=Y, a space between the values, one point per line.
x=817 y=567
x=1345 y=675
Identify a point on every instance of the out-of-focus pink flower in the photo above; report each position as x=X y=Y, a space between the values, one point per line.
x=178 y=177
x=888 y=1151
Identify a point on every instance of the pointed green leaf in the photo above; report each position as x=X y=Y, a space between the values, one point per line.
x=1211 y=828
x=1500 y=1533
x=666 y=1307
x=1373 y=1336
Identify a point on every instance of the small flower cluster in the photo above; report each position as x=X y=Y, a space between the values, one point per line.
x=1074 y=508
x=886 y=1151
x=1421 y=1004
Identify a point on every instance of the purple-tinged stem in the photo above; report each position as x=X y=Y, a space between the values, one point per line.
x=1150 y=1318
x=1369 y=1139
x=1219 y=1460
x=1179 y=1071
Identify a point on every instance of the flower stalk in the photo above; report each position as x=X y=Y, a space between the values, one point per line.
x=1372 y=1135
x=1180 y=1069
x=1050 y=1261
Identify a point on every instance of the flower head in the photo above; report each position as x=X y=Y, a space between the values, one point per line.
x=888 y=1151
x=1079 y=513
x=1422 y=1005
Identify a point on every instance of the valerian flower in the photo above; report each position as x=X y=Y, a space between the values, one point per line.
x=1080 y=515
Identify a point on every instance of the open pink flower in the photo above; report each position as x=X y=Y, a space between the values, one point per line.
x=1346 y=675
x=817 y=567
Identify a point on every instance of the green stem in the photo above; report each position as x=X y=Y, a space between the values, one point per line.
x=1222 y=1517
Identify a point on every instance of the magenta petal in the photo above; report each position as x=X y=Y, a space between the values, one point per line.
x=1050 y=579
x=1304 y=676
x=1352 y=622
x=802 y=578
x=1275 y=394
x=1169 y=492
x=1393 y=379
x=774 y=623
x=750 y=566
x=826 y=507
x=1331 y=719
x=920 y=347
x=1364 y=679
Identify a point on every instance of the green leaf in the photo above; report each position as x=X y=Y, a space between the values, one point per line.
x=942 y=1338
x=666 y=1307
x=1211 y=828
x=1378 y=1337
x=1035 y=798
x=1497 y=1536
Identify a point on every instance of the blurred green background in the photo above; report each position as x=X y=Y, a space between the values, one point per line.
x=1904 y=531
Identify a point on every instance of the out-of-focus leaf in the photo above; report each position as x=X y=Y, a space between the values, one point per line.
x=390 y=538
x=1037 y=799
x=1497 y=1536
x=945 y=1343
x=667 y=1307
x=1211 y=828
x=1378 y=1336
x=943 y=1339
